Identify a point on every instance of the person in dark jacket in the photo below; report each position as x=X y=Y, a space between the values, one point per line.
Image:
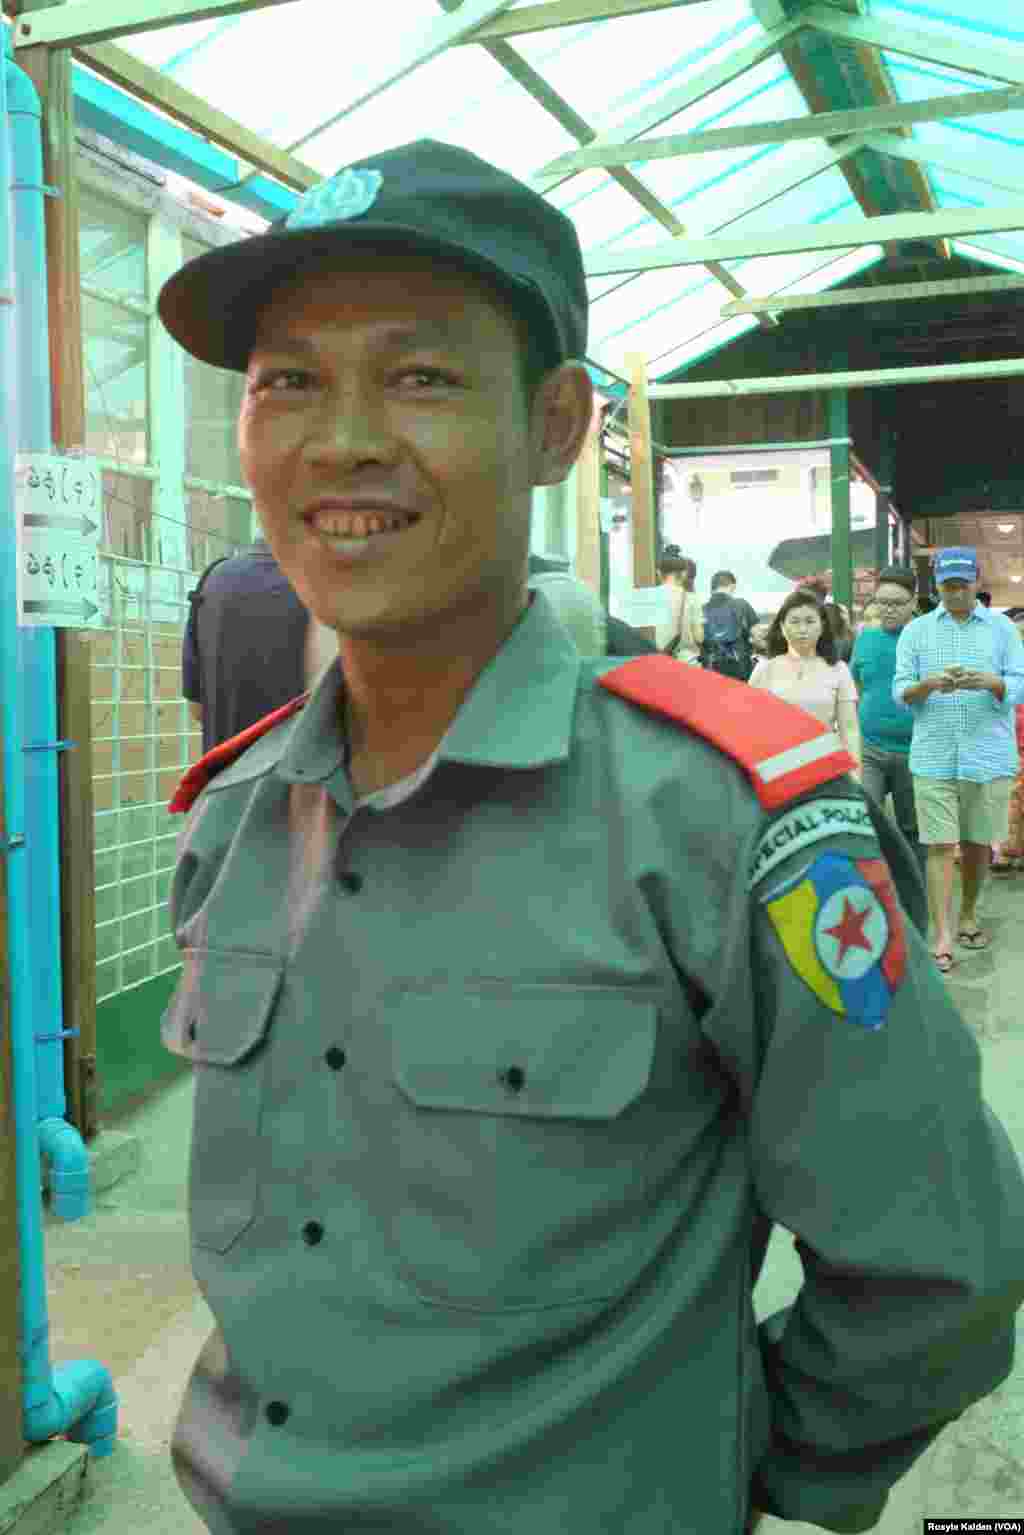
x=243 y=652
x=738 y=661
x=247 y=648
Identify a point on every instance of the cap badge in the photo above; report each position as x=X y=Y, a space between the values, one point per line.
x=344 y=196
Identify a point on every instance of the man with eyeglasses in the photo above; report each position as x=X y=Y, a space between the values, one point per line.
x=886 y=727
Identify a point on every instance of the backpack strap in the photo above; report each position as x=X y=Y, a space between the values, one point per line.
x=221 y=756
x=195 y=596
x=784 y=751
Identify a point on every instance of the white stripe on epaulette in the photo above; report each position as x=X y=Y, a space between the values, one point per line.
x=813 y=822
x=798 y=756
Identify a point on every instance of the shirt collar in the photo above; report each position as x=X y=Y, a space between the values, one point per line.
x=517 y=714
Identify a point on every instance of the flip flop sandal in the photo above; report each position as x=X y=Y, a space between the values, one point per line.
x=973 y=939
x=945 y=962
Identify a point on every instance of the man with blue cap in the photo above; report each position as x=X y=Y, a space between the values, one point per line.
x=961 y=670
x=525 y=989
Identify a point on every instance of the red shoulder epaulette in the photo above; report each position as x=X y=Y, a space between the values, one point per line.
x=222 y=756
x=783 y=750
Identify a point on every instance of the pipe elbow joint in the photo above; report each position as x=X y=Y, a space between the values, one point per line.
x=68 y=1158
x=82 y=1404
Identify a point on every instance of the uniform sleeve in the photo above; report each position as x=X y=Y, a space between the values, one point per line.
x=869 y=1141
x=191 y=674
x=759 y=676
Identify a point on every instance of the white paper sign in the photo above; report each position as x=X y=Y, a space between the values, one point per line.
x=645 y=607
x=58 y=504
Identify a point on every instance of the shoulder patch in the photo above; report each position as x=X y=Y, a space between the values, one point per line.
x=221 y=756
x=784 y=751
x=841 y=929
x=803 y=826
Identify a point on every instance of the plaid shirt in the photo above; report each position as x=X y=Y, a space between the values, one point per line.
x=966 y=734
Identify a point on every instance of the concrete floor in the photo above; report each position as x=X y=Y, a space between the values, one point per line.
x=121 y=1291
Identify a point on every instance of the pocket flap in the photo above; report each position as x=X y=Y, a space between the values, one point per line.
x=578 y=1053
x=222 y=1007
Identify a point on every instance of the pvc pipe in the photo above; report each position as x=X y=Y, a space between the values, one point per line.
x=38 y=645
x=76 y=1399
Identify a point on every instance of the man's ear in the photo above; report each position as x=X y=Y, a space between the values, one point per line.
x=563 y=409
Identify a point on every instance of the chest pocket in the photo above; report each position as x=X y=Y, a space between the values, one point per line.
x=218 y=1019
x=518 y=1148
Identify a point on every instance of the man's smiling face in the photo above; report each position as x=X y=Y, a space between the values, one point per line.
x=387 y=379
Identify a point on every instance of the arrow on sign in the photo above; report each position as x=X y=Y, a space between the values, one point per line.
x=79 y=525
x=83 y=609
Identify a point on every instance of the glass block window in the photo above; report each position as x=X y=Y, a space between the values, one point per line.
x=217 y=525
x=116 y=344
x=111 y=247
x=115 y=310
x=212 y=400
x=127 y=514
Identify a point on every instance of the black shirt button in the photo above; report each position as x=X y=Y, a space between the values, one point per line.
x=514 y=1078
x=312 y=1233
x=350 y=881
x=277 y=1413
x=335 y=1058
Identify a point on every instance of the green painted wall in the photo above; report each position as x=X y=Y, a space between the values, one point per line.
x=131 y=1060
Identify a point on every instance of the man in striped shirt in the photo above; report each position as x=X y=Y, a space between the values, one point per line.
x=961 y=670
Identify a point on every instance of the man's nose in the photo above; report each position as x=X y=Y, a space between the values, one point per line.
x=351 y=425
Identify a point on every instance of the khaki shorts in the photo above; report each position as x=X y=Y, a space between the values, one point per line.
x=954 y=810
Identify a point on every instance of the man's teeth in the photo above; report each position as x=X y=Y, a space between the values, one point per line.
x=359 y=525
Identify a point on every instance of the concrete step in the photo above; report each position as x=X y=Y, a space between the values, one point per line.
x=46 y=1491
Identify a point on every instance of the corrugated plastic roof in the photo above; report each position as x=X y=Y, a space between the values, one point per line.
x=289 y=73
x=992 y=147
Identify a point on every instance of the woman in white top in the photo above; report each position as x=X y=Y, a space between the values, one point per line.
x=686 y=618
x=801 y=667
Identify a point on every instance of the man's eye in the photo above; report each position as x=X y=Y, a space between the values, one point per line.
x=269 y=379
x=433 y=375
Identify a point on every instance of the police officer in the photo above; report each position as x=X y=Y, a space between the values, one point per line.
x=525 y=991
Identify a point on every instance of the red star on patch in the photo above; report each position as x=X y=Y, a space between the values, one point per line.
x=849 y=933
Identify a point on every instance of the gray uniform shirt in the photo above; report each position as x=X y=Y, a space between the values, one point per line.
x=501 y=1077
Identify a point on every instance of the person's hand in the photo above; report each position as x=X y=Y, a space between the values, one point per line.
x=947 y=681
x=979 y=681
